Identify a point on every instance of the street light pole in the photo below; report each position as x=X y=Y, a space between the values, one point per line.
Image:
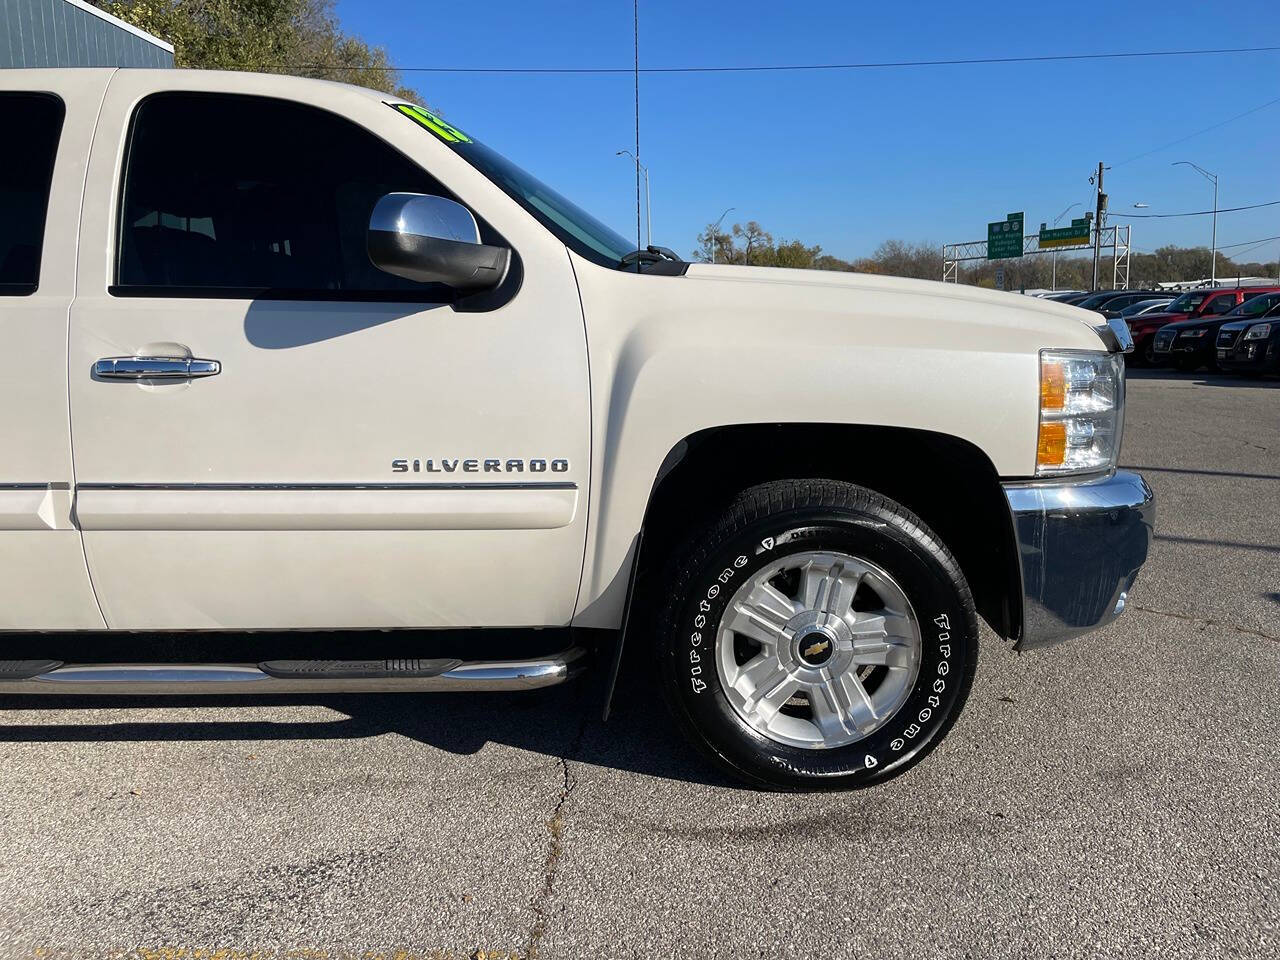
x=715 y=232
x=1053 y=283
x=648 y=205
x=1212 y=177
x=1213 y=264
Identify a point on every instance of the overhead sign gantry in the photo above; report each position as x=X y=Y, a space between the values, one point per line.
x=1006 y=241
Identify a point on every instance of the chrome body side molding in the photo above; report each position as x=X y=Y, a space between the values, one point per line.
x=333 y=506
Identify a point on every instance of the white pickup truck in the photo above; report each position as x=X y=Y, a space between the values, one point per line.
x=310 y=390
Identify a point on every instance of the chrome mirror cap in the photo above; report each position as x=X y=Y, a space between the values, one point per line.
x=431 y=239
x=423 y=215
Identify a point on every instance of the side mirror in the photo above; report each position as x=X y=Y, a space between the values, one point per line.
x=433 y=240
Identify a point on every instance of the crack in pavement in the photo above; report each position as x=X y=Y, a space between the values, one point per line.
x=1207 y=621
x=555 y=850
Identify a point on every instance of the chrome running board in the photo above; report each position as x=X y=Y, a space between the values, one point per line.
x=335 y=676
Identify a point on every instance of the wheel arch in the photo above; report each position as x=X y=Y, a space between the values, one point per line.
x=950 y=483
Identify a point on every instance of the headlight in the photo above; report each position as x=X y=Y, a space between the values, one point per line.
x=1199 y=332
x=1259 y=331
x=1081 y=411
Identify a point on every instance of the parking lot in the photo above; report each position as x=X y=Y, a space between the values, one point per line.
x=1113 y=797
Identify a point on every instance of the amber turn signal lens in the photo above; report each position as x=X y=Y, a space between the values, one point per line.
x=1051 y=448
x=1053 y=386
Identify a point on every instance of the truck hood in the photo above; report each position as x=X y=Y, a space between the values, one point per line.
x=941 y=301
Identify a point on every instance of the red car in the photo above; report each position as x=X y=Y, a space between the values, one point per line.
x=1208 y=302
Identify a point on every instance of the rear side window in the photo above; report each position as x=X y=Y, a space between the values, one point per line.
x=1257 y=305
x=1222 y=304
x=240 y=196
x=32 y=123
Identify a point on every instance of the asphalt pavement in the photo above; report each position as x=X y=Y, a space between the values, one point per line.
x=1116 y=796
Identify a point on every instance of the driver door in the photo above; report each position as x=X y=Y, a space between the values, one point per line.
x=362 y=451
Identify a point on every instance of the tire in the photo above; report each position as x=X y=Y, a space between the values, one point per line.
x=848 y=561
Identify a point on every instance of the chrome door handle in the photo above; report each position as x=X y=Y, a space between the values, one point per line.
x=155 y=368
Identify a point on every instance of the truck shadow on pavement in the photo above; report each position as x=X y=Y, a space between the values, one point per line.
x=562 y=722
x=1193 y=471
x=1202 y=378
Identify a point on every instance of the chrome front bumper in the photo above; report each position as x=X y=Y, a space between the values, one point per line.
x=1080 y=546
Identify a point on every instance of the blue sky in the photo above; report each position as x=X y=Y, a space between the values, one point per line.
x=847 y=159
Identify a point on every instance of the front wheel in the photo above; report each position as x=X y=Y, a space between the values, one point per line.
x=818 y=636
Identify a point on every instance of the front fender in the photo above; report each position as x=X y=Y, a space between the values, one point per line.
x=672 y=356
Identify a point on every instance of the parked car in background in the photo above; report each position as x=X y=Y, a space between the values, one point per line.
x=1145 y=306
x=1103 y=300
x=1062 y=295
x=1248 y=346
x=1189 y=343
x=1207 y=301
x=1113 y=307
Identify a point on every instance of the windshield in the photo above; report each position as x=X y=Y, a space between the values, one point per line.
x=1255 y=306
x=1187 y=303
x=577 y=229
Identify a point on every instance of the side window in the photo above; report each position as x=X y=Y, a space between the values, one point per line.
x=32 y=123
x=1222 y=304
x=234 y=196
x=1259 y=303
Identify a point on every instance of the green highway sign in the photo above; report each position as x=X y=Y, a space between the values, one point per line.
x=1004 y=237
x=1075 y=235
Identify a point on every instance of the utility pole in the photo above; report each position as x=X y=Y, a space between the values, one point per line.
x=1098 y=217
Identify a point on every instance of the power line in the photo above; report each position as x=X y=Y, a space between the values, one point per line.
x=1247 y=243
x=1194 y=213
x=1221 y=123
x=1248 y=250
x=775 y=68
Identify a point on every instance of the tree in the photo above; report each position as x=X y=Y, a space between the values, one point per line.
x=752 y=244
x=899 y=258
x=795 y=254
x=713 y=238
x=300 y=37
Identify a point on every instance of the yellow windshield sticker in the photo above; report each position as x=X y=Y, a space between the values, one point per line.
x=441 y=128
